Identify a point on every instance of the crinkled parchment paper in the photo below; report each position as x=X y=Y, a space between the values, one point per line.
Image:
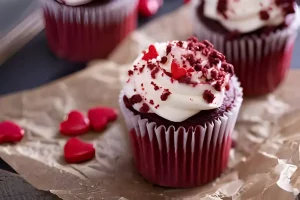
x=264 y=164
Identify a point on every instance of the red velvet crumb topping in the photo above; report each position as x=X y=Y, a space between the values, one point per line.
x=164 y=59
x=208 y=96
x=165 y=95
x=264 y=15
x=154 y=72
x=130 y=73
x=145 y=108
x=135 y=99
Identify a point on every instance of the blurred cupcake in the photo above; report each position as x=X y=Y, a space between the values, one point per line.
x=256 y=36
x=180 y=104
x=82 y=30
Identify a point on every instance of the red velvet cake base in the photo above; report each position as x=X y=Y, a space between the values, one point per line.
x=182 y=157
x=183 y=168
x=85 y=39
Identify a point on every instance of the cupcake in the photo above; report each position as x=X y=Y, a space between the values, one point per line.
x=82 y=30
x=256 y=36
x=180 y=104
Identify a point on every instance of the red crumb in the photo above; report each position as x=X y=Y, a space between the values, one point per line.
x=208 y=96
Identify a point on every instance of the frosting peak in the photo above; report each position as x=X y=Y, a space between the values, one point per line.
x=178 y=79
x=248 y=15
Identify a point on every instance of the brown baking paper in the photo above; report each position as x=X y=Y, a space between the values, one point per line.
x=264 y=164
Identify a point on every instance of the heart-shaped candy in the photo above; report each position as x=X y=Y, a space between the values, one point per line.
x=10 y=132
x=151 y=54
x=177 y=71
x=100 y=116
x=149 y=8
x=75 y=124
x=77 y=151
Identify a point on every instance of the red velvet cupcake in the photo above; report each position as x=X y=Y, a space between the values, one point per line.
x=256 y=36
x=180 y=104
x=82 y=30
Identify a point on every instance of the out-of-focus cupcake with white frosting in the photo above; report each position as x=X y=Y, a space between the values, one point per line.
x=256 y=36
x=180 y=103
x=82 y=30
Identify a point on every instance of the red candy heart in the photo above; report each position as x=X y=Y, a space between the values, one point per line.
x=177 y=71
x=100 y=116
x=148 y=8
x=75 y=124
x=152 y=53
x=10 y=132
x=77 y=151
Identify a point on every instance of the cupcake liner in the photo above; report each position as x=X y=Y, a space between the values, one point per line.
x=87 y=32
x=181 y=158
x=260 y=63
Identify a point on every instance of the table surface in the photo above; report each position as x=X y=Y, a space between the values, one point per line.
x=35 y=65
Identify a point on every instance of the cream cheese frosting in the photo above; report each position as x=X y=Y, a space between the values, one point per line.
x=248 y=15
x=178 y=79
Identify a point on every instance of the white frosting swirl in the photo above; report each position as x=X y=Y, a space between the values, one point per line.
x=185 y=100
x=244 y=15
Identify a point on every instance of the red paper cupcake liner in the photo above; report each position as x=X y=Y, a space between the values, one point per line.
x=83 y=33
x=260 y=63
x=181 y=158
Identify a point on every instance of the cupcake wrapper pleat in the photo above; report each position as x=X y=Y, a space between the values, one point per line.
x=260 y=63
x=181 y=157
x=84 y=33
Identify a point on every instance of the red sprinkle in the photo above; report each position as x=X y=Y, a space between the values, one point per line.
x=165 y=95
x=264 y=15
x=169 y=48
x=198 y=67
x=227 y=87
x=155 y=86
x=177 y=71
x=191 y=59
x=130 y=73
x=151 y=102
x=154 y=72
x=145 y=108
x=228 y=68
x=142 y=69
x=164 y=59
x=208 y=96
x=156 y=106
x=152 y=53
x=151 y=65
x=193 y=39
x=135 y=99
x=205 y=51
x=218 y=86
x=214 y=73
x=180 y=43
